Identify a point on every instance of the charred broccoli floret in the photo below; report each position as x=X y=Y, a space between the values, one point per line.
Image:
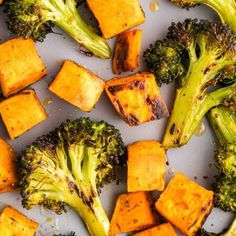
x=69 y=166
x=71 y=234
x=35 y=18
x=225 y=9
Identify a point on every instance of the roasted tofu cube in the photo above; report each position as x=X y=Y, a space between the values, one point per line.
x=127 y=51
x=133 y=211
x=136 y=98
x=146 y=166
x=13 y=223
x=185 y=204
x=21 y=112
x=20 y=65
x=1 y=2
x=8 y=176
x=117 y=16
x=160 y=230
x=78 y=86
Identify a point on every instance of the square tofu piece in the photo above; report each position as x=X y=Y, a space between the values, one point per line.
x=133 y=211
x=146 y=166
x=136 y=98
x=116 y=16
x=22 y=112
x=185 y=204
x=160 y=230
x=13 y=223
x=78 y=86
x=8 y=179
x=20 y=65
x=1 y=2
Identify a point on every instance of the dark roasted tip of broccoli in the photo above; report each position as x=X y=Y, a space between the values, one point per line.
x=70 y=234
x=185 y=3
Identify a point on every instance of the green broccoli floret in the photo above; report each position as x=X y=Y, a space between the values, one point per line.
x=69 y=166
x=209 y=47
x=225 y=9
x=35 y=18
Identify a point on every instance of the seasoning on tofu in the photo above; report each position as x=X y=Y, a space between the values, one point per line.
x=185 y=204
x=12 y=222
x=146 y=166
x=133 y=211
x=165 y=229
x=136 y=98
x=127 y=51
x=117 y=16
x=21 y=112
x=8 y=177
x=20 y=65
x=78 y=86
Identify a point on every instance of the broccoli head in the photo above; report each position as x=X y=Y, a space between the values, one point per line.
x=69 y=166
x=35 y=18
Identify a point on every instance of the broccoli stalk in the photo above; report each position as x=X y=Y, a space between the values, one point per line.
x=69 y=166
x=34 y=18
x=225 y=9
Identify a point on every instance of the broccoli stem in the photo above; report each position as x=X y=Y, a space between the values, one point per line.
x=223 y=122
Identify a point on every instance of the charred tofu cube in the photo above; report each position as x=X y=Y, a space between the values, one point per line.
x=13 y=223
x=133 y=211
x=21 y=112
x=78 y=86
x=117 y=16
x=127 y=50
x=20 y=65
x=160 y=230
x=185 y=204
x=146 y=166
x=136 y=98
x=8 y=179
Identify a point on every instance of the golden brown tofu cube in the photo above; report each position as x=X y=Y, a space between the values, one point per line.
x=160 y=230
x=8 y=179
x=136 y=98
x=146 y=166
x=78 y=86
x=133 y=211
x=185 y=204
x=1 y=2
x=20 y=65
x=117 y=16
x=127 y=51
x=13 y=223
x=22 y=112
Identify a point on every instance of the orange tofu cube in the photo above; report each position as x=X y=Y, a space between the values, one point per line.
x=21 y=112
x=160 y=230
x=136 y=98
x=185 y=204
x=13 y=223
x=133 y=211
x=8 y=179
x=146 y=166
x=1 y=2
x=117 y=16
x=20 y=65
x=78 y=86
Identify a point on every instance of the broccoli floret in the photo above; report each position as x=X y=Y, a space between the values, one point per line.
x=35 y=18
x=225 y=9
x=209 y=47
x=69 y=166
x=71 y=234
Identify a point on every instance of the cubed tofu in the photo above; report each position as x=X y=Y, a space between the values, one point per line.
x=1 y=2
x=78 y=86
x=185 y=204
x=165 y=229
x=13 y=223
x=146 y=166
x=8 y=176
x=136 y=98
x=117 y=16
x=22 y=112
x=20 y=65
x=133 y=211
x=127 y=51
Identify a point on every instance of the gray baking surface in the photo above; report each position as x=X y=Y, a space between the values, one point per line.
x=193 y=159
